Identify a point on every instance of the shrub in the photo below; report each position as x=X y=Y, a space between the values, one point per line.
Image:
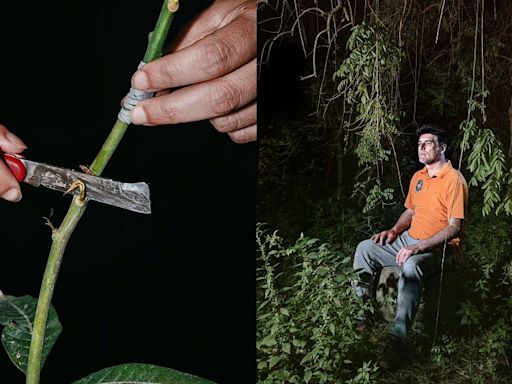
x=305 y=313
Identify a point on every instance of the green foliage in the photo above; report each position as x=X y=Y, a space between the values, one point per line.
x=17 y=316
x=469 y=126
x=487 y=163
x=338 y=222
x=495 y=342
x=486 y=239
x=365 y=374
x=305 y=312
x=376 y=196
x=367 y=80
x=486 y=310
x=141 y=374
x=441 y=353
x=484 y=264
x=470 y=315
x=293 y=296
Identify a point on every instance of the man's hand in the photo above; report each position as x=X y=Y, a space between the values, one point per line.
x=214 y=62
x=406 y=252
x=9 y=187
x=385 y=237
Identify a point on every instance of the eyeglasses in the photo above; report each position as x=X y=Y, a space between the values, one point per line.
x=426 y=143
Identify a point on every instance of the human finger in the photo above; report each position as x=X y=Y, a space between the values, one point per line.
x=9 y=142
x=215 y=55
x=383 y=236
x=399 y=256
x=212 y=18
x=244 y=117
x=245 y=135
x=9 y=186
x=391 y=237
x=162 y=92
x=405 y=255
x=200 y=101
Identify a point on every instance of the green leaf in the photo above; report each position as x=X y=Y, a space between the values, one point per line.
x=141 y=374
x=273 y=361
x=269 y=341
x=17 y=316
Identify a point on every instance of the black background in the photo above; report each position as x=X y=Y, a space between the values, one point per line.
x=174 y=288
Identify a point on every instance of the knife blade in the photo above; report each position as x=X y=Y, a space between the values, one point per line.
x=131 y=196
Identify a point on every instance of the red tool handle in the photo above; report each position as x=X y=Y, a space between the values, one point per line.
x=16 y=166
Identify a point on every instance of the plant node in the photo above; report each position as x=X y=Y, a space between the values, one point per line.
x=173 y=5
x=74 y=185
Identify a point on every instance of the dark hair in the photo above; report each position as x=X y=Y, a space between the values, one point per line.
x=436 y=130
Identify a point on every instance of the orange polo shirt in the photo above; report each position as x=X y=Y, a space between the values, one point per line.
x=435 y=200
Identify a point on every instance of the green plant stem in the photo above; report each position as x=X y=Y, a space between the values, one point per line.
x=108 y=148
x=60 y=238
x=158 y=36
x=61 y=235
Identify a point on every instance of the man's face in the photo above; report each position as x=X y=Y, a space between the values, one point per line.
x=429 y=149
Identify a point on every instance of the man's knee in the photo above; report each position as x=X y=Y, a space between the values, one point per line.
x=365 y=246
x=411 y=268
x=363 y=250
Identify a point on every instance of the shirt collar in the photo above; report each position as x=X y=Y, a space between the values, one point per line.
x=443 y=171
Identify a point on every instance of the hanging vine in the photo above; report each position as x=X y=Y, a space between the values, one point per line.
x=367 y=81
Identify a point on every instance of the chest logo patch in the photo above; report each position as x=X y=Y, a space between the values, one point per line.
x=419 y=185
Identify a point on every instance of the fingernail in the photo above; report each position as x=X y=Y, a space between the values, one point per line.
x=13 y=194
x=138 y=116
x=15 y=140
x=140 y=81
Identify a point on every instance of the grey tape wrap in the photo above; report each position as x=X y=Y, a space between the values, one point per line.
x=134 y=97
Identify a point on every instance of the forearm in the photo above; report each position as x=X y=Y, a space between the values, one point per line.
x=403 y=222
x=446 y=234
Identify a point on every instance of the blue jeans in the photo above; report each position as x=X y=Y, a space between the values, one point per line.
x=370 y=258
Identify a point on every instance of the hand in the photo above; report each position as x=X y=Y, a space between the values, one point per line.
x=214 y=61
x=9 y=187
x=385 y=237
x=406 y=252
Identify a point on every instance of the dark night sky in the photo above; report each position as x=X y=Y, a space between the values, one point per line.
x=174 y=288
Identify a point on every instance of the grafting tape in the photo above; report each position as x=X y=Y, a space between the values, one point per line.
x=134 y=97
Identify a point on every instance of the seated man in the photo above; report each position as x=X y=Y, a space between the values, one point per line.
x=430 y=225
